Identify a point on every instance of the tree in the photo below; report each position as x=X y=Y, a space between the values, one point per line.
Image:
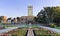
x=1 y=19
x=57 y=15
x=50 y=13
x=9 y=19
x=18 y=19
x=41 y=18
x=35 y=19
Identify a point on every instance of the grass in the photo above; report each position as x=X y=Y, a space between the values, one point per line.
x=34 y=26
x=8 y=26
x=18 y=32
x=57 y=27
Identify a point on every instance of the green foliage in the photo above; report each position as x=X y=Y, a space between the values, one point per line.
x=18 y=32
x=44 y=32
x=6 y=23
x=57 y=15
x=41 y=18
x=34 y=26
x=49 y=13
x=3 y=27
x=35 y=19
x=14 y=35
x=52 y=25
x=1 y=19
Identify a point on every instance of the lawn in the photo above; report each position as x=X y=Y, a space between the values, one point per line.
x=57 y=27
x=18 y=32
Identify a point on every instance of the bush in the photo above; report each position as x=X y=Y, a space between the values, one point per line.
x=52 y=25
x=2 y=27
x=14 y=35
x=6 y=23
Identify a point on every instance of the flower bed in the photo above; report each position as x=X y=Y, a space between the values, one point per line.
x=1 y=27
x=44 y=32
x=17 y=32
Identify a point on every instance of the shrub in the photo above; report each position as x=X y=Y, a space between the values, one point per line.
x=52 y=25
x=14 y=35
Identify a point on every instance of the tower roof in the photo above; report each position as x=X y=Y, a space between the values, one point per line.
x=30 y=6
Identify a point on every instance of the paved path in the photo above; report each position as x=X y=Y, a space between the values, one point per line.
x=30 y=32
x=7 y=30
x=51 y=29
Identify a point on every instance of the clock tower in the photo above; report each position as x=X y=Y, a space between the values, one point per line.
x=30 y=10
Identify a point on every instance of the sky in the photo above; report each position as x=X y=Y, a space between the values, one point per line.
x=18 y=8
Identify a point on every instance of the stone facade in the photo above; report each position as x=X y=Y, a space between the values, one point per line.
x=4 y=19
x=26 y=19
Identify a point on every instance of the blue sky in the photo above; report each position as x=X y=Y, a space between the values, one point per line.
x=16 y=8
